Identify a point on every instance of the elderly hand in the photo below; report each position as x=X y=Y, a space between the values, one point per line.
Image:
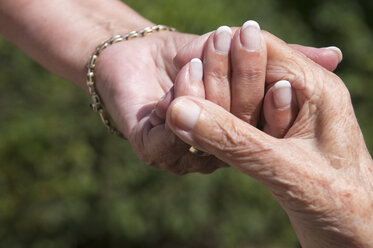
x=131 y=87
x=320 y=172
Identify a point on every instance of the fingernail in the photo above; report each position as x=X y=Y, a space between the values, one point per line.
x=222 y=41
x=185 y=114
x=250 y=35
x=282 y=94
x=337 y=51
x=196 y=69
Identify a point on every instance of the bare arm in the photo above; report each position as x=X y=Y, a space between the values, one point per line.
x=61 y=34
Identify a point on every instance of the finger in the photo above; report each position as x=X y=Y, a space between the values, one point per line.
x=194 y=49
x=327 y=57
x=161 y=148
x=305 y=76
x=210 y=128
x=280 y=109
x=216 y=67
x=158 y=115
x=249 y=59
x=188 y=83
x=189 y=80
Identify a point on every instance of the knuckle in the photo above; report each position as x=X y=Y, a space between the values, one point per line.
x=217 y=76
x=336 y=87
x=249 y=74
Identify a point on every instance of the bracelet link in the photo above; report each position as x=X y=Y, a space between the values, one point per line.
x=116 y=39
x=90 y=78
x=146 y=31
x=101 y=47
x=92 y=61
x=132 y=35
x=96 y=103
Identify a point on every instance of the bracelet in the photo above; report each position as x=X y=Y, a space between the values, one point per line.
x=96 y=103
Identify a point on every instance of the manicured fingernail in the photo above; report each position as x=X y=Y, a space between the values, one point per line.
x=282 y=94
x=196 y=69
x=222 y=39
x=250 y=35
x=185 y=114
x=337 y=51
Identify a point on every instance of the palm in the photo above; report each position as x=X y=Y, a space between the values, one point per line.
x=133 y=76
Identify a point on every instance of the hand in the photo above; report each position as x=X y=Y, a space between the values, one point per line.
x=321 y=172
x=132 y=76
x=238 y=84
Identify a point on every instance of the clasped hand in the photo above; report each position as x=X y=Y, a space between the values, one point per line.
x=304 y=143
x=132 y=86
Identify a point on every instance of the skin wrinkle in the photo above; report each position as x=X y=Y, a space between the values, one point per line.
x=232 y=142
x=302 y=127
x=219 y=77
x=316 y=208
x=329 y=223
x=248 y=74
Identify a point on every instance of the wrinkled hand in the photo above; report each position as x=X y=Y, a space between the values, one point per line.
x=132 y=76
x=321 y=172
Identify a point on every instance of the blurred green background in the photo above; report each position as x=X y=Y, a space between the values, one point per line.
x=65 y=182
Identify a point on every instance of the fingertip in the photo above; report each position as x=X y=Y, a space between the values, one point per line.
x=282 y=94
x=196 y=69
x=224 y=28
x=189 y=82
x=251 y=36
x=222 y=39
x=164 y=103
x=337 y=51
x=280 y=109
x=251 y=23
x=327 y=57
x=183 y=114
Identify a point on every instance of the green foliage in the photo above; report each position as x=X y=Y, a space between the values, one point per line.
x=64 y=182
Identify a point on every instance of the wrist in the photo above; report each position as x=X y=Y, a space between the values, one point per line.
x=110 y=56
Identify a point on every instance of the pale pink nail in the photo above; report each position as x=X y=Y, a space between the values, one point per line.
x=185 y=114
x=250 y=35
x=337 y=51
x=282 y=94
x=222 y=39
x=196 y=69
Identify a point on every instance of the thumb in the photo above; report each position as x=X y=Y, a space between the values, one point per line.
x=211 y=128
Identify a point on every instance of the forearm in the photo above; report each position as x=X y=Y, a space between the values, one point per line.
x=61 y=34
